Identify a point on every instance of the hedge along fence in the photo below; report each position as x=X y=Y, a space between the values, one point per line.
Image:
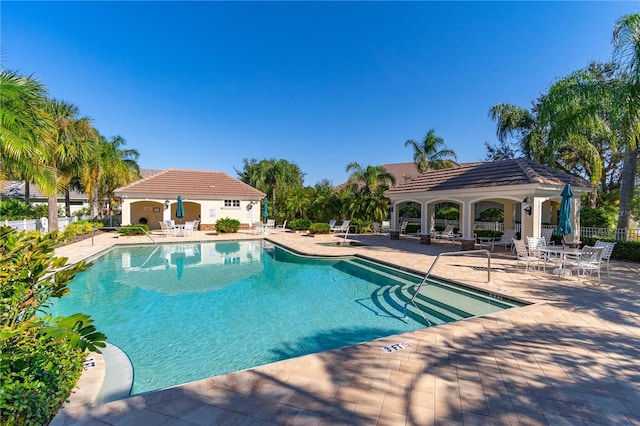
x=623 y=250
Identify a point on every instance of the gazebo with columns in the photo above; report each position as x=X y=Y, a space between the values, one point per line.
x=529 y=193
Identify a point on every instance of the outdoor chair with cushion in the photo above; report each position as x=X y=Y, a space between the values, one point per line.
x=588 y=261
x=607 y=250
x=523 y=255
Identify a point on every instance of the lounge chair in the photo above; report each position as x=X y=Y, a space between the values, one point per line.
x=403 y=227
x=332 y=224
x=506 y=240
x=523 y=254
x=607 y=251
x=164 y=229
x=446 y=234
x=376 y=228
x=343 y=228
x=386 y=225
x=282 y=228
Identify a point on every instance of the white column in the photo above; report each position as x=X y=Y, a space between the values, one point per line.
x=126 y=212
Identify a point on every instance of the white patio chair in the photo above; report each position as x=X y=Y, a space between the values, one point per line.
x=188 y=228
x=386 y=225
x=164 y=229
x=270 y=225
x=588 y=261
x=282 y=228
x=332 y=224
x=607 y=250
x=506 y=240
x=446 y=234
x=523 y=254
x=403 y=227
x=343 y=228
x=376 y=228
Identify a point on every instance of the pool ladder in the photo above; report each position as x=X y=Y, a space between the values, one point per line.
x=426 y=277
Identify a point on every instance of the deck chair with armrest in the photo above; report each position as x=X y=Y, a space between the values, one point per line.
x=523 y=255
x=446 y=234
x=342 y=228
x=403 y=227
x=588 y=261
x=506 y=240
x=282 y=228
x=607 y=251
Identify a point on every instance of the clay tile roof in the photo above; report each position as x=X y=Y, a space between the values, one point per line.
x=190 y=183
x=519 y=171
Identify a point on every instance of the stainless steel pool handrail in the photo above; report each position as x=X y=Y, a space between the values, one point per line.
x=453 y=253
x=115 y=228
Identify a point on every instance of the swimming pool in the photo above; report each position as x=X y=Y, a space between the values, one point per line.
x=183 y=312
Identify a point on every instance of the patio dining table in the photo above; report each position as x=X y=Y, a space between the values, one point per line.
x=562 y=253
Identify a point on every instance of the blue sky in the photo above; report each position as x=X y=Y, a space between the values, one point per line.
x=202 y=85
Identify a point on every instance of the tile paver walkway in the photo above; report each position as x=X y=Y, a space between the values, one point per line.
x=572 y=357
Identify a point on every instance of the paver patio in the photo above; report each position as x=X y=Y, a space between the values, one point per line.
x=571 y=357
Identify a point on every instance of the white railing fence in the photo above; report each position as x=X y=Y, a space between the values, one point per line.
x=39 y=224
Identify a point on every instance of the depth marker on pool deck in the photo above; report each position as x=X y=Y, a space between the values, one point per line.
x=396 y=347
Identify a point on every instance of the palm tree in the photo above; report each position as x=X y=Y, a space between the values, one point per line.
x=271 y=176
x=71 y=142
x=626 y=48
x=24 y=126
x=368 y=186
x=117 y=167
x=522 y=124
x=432 y=153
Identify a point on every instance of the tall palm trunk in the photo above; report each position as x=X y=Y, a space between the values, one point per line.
x=67 y=202
x=52 y=201
x=627 y=184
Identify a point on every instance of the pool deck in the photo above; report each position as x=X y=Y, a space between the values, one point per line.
x=571 y=357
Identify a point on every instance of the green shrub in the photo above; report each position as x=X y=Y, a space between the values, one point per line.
x=595 y=218
x=299 y=224
x=488 y=233
x=15 y=209
x=227 y=225
x=493 y=214
x=40 y=356
x=319 y=228
x=133 y=229
x=413 y=228
x=38 y=376
x=79 y=227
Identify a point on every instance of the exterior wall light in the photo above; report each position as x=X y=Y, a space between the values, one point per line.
x=527 y=205
x=167 y=204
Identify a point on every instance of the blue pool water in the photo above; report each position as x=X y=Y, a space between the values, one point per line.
x=183 y=312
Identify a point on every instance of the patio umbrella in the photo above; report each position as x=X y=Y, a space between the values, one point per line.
x=179 y=208
x=564 y=222
x=265 y=211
